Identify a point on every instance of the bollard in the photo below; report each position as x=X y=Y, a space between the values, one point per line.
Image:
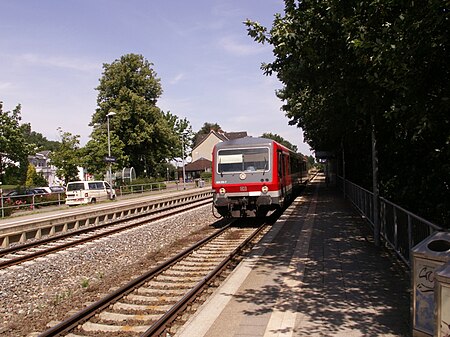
x=427 y=257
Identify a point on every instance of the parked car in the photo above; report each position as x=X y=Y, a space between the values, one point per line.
x=53 y=189
x=23 y=192
x=39 y=191
x=85 y=192
x=57 y=189
x=25 y=196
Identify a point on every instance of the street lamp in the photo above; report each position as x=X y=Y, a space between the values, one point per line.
x=108 y=116
x=184 y=171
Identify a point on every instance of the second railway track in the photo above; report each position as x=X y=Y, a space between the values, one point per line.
x=147 y=305
x=28 y=251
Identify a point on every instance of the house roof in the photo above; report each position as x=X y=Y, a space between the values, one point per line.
x=43 y=155
x=223 y=136
x=198 y=165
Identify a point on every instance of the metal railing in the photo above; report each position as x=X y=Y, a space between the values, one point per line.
x=141 y=188
x=16 y=203
x=400 y=228
x=10 y=204
x=160 y=186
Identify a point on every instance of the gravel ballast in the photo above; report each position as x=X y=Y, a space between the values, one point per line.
x=47 y=289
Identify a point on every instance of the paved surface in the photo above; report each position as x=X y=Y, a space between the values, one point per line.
x=23 y=216
x=316 y=273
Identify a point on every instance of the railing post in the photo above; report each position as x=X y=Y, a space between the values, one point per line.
x=1 y=198
x=376 y=220
x=395 y=228
x=410 y=239
x=343 y=169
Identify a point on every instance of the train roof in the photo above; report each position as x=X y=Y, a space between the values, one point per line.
x=249 y=141
x=245 y=141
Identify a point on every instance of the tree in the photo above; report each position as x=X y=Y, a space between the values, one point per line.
x=96 y=149
x=14 y=149
x=348 y=67
x=182 y=129
x=34 y=178
x=280 y=140
x=205 y=130
x=67 y=157
x=31 y=173
x=130 y=87
x=37 y=140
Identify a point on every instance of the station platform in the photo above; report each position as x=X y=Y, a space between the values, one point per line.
x=49 y=212
x=315 y=273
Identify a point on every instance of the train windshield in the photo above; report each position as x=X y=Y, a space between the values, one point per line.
x=239 y=160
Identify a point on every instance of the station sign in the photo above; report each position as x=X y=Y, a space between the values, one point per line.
x=110 y=159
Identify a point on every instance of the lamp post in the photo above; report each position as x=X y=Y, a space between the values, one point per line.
x=182 y=162
x=108 y=116
x=1 y=199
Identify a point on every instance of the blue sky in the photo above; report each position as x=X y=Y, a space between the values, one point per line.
x=52 y=53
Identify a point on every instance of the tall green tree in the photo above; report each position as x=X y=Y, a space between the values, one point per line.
x=14 y=149
x=350 y=67
x=67 y=157
x=130 y=88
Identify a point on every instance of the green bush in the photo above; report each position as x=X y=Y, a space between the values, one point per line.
x=7 y=209
x=206 y=175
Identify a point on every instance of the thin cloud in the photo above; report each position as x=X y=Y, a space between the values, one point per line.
x=177 y=78
x=59 y=62
x=5 y=85
x=231 y=45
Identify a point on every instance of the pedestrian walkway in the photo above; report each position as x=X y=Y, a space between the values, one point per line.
x=316 y=273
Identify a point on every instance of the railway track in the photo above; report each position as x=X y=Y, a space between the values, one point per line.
x=29 y=251
x=149 y=304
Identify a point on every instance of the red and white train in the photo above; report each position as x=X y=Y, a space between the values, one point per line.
x=252 y=176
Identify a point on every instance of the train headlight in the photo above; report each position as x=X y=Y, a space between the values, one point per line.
x=264 y=189
x=222 y=191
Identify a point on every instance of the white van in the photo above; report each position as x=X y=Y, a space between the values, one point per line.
x=85 y=192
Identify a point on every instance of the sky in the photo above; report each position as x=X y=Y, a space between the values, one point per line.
x=52 y=54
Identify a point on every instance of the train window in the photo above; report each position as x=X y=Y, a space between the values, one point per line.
x=238 y=160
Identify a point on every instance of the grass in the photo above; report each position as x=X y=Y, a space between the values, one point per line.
x=85 y=283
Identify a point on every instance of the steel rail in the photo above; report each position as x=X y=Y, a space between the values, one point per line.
x=9 y=250
x=85 y=314
x=159 y=326
x=31 y=256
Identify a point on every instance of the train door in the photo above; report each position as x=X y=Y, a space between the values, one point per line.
x=288 y=175
x=281 y=175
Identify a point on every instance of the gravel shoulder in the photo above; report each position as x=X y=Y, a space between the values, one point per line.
x=52 y=287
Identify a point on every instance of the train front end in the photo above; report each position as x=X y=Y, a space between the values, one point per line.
x=243 y=177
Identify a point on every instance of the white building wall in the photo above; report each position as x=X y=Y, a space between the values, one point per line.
x=204 y=150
